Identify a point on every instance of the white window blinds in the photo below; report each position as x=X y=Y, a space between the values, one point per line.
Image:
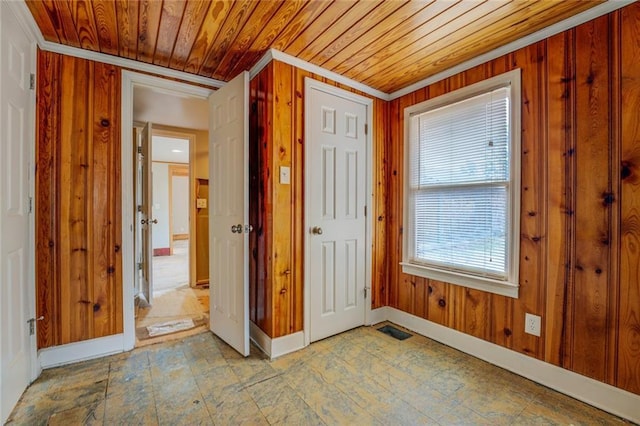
x=459 y=186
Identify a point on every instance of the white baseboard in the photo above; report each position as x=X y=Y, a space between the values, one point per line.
x=287 y=344
x=81 y=351
x=260 y=338
x=606 y=397
x=278 y=346
x=378 y=315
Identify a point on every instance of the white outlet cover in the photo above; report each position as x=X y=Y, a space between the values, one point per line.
x=532 y=324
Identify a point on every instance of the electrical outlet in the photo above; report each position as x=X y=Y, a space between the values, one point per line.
x=532 y=324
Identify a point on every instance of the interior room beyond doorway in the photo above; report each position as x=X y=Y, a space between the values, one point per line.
x=176 y=216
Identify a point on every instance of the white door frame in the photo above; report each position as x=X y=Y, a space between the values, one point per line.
x=310 y=83
x=191 y=137
x=131 y=79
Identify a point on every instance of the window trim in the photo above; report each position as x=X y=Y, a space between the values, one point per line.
x=510 y=286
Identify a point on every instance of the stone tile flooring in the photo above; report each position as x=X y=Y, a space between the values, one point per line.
x=360 y=377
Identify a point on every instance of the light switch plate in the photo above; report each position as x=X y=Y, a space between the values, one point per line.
x=285 y=175
x=201 y=203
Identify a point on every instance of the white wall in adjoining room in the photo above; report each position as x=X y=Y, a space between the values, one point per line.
x=180 y=204
x=160 y=208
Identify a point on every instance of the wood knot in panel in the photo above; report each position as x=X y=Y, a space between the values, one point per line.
x=608 y=198
x=104 y=122
x=442 y=303
x=626 y=170
x=507 y=332
x=96 y=307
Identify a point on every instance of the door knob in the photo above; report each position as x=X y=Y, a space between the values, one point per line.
x=236 y=229
x=316 y=230
x=154 y=221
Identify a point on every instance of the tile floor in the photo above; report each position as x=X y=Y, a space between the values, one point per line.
x=359 y=377
x=180 y=303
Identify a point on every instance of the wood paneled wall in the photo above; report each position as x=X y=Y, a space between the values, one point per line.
x=580 y=227
x=77 y=203
x=277 y=211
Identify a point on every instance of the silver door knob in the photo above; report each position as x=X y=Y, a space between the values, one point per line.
x=236 y=229
x=316 y=230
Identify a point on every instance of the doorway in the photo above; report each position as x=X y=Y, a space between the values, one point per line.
x=337 y=255
x=171 y=298
x=227 y=112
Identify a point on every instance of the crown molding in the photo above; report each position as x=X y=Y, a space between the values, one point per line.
x=28 y=22
x=261 y=64
x=571 y=22
x=315 y=69
x=131 y=64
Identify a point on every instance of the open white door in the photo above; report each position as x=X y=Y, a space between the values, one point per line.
x=17 y=346
x=228 y=212
x=145 y=213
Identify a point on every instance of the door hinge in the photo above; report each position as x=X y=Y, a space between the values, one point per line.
x=32 y=324
x=139 y=266
x=139 y=150
x=139 y=209
x=365 y=211
x=366 y=292
x=366 y=129
x=30 y=204
x=32 y=81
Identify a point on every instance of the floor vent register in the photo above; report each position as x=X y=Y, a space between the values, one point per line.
x=394 y=332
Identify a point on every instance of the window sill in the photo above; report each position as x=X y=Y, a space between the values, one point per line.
x=470 y=281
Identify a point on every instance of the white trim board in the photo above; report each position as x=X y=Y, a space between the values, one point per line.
x=131 y=79
x=571 y=22
x=28 y=21
x=80 y=351
x=377 y=316
x=274 y=54
x=279 y=346
x=606 y=397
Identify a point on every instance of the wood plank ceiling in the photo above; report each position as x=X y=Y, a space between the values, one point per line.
x=387 y=45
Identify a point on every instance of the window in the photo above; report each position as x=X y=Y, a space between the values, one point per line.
x=462 y=186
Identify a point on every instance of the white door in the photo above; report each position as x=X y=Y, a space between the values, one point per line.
x=16 y=344
x=145 y=214
x=228 y=212
x=335 y=211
